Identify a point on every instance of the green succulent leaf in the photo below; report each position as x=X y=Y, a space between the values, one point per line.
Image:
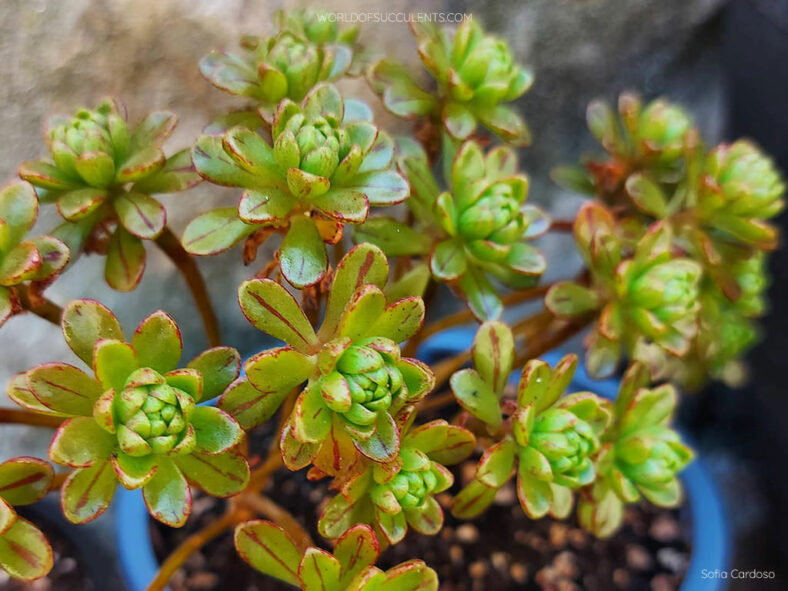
x=24 y=480
x=125 y=261
x=384 y=444
x=647 y=195
x=157 y=342
x=303 y=258
x=221 y=475
x=114 y=362
x=476 y=396
x=356 y=550
x=25 y=552
x=319 y=570
x=483 y=299
x=87 y=492
x=177 y=174
x=269 y=549
x=270 y=308
x=365 y=264
x=219 y=367
x=80 y=442
x=140 y=214
x=472 y=500
x=64 y=389
x=567 y=299
x=215 y=231
x=493 y=354
x=250 y=406
x=167 y=494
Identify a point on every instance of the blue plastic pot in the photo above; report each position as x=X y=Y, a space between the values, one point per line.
x=710 y=528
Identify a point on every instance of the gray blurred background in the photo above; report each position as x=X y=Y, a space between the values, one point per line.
x=726 y=64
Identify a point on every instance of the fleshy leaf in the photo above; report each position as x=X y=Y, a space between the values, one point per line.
x=250 y=406
x=216 y=431
x=219 y=367
x=167 y=495
x=319 y=570
x=25 y=552
x=476 y=396
x=303 y=258
x=215 y=231
x=125 y=261
x=472 y=500
x=493 y=354
x=113 y=362
x=140 y=214
x=157 y=342
x=220 y=475
x=64 y=388
x=80 y=442
x=399 y=321
x=567 y=300
x=269 y=307
x=392 y=236
x=269 y=549
x=24 y=480
x=87 y=492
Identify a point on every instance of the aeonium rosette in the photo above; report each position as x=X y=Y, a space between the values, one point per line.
x=101 y=175
x=549 y=440
x=137 y=421
x=476 y=231
x=640 y=455
x=353 y=382
x=325 y=168
x=309 y=48
x=400 y=493
x=475 y=74
x=647 y=296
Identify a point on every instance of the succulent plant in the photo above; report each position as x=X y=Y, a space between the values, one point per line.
x=137 y=422
x=476 y=231
x=392 y=496
x=350 y=567
x=308 y=49
x=651 y=296
x=549 y=440
x=101 y=176
x=356 y=380
x=25 y=552
x=23 y=259
x=739 y=190
x=474 y=72
x=325 y=169
x=640 y=455
x=648 y=142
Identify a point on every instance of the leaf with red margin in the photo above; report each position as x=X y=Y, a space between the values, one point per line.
x=267 y=547
x=125 y=261
x=271 y=308
x=356 y=550
x=64 y=388
x=413 y=574
x=25 y=552
x=157 y=342
x=87 y=492
x=472 y=500
x=296 y=455
x=220 y=475
x=219 y=367
x=80 y=442
x=400 y=320
x=24 y=480
x=85 y=322
x=319 y=570
x=426 y=520
x=167 y=495
x=250 y=406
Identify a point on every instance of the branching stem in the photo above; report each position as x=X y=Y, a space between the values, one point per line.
x=38 y=305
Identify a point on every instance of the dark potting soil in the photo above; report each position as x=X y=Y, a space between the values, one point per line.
x=501 y=550
x=68 y=572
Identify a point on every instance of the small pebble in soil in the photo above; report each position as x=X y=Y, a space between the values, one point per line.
x=559 y=534
x=467 y=533
x=500 y=560
x=638 y=557
x=621 y=578
x=672 y=559
x=478 y=569
x=519 y=573
x=665 y=529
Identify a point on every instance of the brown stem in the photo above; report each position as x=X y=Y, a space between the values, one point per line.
x=465 y=316
x=268 y=508
x=562 y=225
x=58 y=480
x=171 y=246
x=193 y=543
x=38 y=305
x=25 y=417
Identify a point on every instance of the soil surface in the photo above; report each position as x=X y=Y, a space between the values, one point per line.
x=501 y=550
